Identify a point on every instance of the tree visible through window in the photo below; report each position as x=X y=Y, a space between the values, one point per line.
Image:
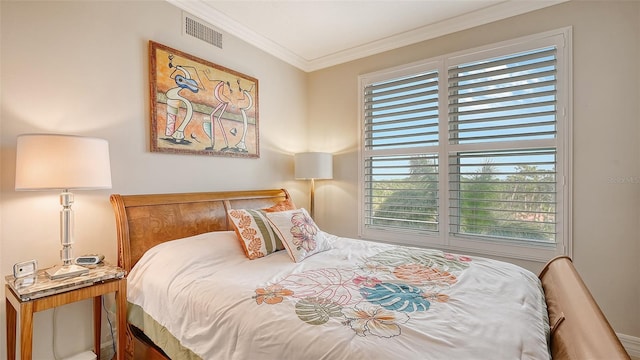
x=405 y=200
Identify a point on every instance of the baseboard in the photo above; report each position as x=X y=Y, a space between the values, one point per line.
x=106 y=350
x=631 y=344
x=87 y=355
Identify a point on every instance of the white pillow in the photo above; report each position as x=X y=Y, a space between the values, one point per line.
x=300 y=235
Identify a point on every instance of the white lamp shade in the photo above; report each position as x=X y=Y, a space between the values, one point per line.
x=313 y=165
x=48 y=162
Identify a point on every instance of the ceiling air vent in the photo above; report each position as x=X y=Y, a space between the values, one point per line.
x=198 y=29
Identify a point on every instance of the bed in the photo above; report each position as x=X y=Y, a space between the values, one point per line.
x=198 y=288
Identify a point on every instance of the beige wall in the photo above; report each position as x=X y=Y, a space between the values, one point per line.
x=606 y=188
x=81 y=68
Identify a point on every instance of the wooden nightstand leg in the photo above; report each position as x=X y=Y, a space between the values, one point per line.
x=97 y=324
x=26 y=330
x=11 y=329
x=121 y=313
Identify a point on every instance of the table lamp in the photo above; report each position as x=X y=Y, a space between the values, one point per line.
x=63 y=162
x=313 y=166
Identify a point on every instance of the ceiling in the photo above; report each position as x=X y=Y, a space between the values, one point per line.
x=315 y=34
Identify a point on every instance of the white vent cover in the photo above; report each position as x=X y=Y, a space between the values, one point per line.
x=201 y=30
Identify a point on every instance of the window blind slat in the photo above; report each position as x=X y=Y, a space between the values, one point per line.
x=397 y=137
x=530 y=116
x=456 y=112
x=494 y=71
x=396 y=83
x=417 y=91
x=506 y=127
x=464 y=88
x=430 y=120
x=503 y=61
x=373 y=117
x=370 y=132
x=496 y=101
x=533 y=86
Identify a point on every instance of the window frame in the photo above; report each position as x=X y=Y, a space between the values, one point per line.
x=443 y=238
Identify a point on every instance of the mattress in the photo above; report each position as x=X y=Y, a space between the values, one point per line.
x=201 y=297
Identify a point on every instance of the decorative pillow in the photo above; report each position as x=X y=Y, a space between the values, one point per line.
x=254 y=232
x=283 y=205
x=300 y=235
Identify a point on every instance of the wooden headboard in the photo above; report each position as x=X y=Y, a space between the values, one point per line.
x=143 y=221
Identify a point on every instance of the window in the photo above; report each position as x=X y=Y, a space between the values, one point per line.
x=470 y=151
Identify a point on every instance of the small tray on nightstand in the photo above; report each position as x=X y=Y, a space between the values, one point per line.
x=43 y=286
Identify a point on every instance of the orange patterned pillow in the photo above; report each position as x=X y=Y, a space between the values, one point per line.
x=254 y=232
x=283 y=205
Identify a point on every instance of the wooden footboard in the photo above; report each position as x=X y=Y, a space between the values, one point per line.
x=579 y=329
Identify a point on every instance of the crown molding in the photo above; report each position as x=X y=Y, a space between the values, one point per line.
x=216 y=18
x=493 y=13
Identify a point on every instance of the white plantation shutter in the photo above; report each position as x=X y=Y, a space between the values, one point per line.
x=401 y=113
x=504 y=194
x=402 y=192
x=504 y=102
x=471 y=151
x=400 y=176
x=504 y=99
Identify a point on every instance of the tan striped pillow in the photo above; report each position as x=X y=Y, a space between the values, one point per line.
x=254 y=232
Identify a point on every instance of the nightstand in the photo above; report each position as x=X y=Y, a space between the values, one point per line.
x=46 y=293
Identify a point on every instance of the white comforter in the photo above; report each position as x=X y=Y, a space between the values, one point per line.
x=359 y=300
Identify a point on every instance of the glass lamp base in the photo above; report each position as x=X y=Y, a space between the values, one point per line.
x=64 y=271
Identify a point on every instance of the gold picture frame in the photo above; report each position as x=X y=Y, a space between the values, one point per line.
x=198 y=107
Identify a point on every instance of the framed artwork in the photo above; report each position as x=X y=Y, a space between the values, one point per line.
x=201 y=108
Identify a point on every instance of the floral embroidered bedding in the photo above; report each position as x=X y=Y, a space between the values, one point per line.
x=355 y=300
